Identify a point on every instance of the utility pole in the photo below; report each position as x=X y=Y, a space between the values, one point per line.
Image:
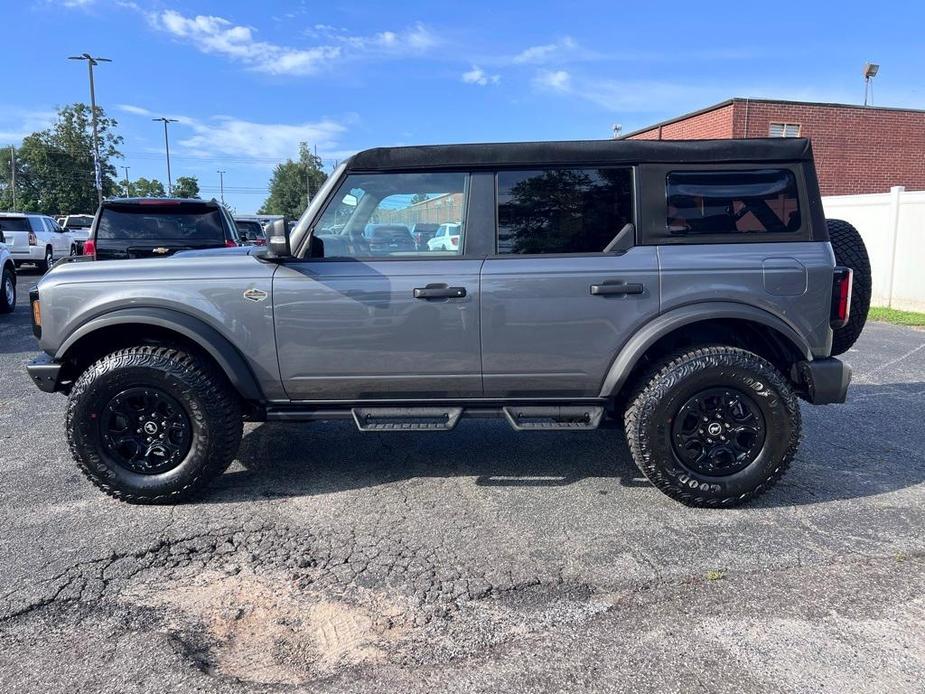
x=165 y=121
x=97 y=173
x=13 y=174
x=221 y=183
x=126 y=168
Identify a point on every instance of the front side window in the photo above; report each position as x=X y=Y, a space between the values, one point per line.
x=395 y=214
x=723 y=202
x=562 y=210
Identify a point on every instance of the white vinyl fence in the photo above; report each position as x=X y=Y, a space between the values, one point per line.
x=893 y=227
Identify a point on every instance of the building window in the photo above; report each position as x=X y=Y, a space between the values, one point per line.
x=784 y=130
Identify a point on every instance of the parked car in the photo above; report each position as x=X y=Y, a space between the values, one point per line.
x=689 y=292
x=388 y=238
x=78 y=226
x=7 y=278
x=127 y=228
x=423 y=232
x=35 y=238
x=251 y=232
x=446 y=238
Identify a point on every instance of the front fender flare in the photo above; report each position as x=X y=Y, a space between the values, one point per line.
x=190 y=327
x=651 y=332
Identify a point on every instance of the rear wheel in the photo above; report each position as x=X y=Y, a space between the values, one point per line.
x=850 y=251
x=7 y=290
x=48 y=261
x=715 y=426
x=153 y=424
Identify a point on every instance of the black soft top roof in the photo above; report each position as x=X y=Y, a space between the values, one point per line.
x=582 y=152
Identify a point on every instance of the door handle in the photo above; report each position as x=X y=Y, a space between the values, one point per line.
x=439 y=291
x=611 y=289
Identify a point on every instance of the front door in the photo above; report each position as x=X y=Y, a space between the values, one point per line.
x=567 y=286
x=383 y=315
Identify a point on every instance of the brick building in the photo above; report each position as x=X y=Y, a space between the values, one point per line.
x=858 y=149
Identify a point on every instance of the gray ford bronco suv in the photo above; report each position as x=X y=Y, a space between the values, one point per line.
x=689 y=292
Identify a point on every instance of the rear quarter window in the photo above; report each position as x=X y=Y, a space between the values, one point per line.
x=756 y=201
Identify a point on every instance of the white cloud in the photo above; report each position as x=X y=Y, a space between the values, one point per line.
x=232 y=136
x=554 y=80
x=478 y=76
x=546 y=52
x=217 y=35
x=16 y=123
x=134 y=110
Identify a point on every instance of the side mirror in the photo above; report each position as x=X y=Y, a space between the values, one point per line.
x=278 y=239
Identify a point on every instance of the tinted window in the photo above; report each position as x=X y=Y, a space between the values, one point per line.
x=562 y=210
x=717 y=202
x=374 y=215
x=250 y=230
x=14 y=224
x=193 y=223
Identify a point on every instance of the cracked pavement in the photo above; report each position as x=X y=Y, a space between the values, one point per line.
x=475 y=560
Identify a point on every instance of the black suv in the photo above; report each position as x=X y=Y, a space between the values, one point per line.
x=154 y=227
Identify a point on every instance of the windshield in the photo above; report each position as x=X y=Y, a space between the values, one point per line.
x=14 y=224
x=190 y=223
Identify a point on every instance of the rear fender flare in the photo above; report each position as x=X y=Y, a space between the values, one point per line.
x=630 y=354
x=208 y=338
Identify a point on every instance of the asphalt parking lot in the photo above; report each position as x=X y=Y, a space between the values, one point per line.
x=476 y=560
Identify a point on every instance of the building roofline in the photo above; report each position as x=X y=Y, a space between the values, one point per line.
x=787 y=102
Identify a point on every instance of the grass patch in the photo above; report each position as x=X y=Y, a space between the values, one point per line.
x=715 y=575
x=897 y=317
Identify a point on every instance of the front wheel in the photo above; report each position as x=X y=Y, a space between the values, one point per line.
x=715 y=426
x=153 y=424
x=7 y=291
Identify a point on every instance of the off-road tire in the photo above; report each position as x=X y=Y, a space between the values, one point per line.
x=212 y=406
x=850 y=251
x=7 y=279
x=49 y=260
x=648 y=424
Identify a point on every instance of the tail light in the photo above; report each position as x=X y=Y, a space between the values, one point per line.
x=230 y=244
x=90 y=248
x=36 y=312
x=32 y=240
x=454 y=241
x=841 y=297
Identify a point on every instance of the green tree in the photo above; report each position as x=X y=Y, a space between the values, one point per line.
x=54 y=167
x=146 y=188
x=292 y=183
x=186 y=187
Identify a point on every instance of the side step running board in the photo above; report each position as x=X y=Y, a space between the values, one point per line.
x=406 y=418
x=554 y=417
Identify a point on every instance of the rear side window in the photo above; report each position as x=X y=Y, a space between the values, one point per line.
x=190 y=223
x=14 y=224
x=562 y=210
x=735 y=202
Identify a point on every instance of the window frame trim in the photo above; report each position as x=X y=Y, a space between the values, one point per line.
x=585 y=254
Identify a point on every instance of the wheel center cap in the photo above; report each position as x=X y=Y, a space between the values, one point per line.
x=715 y=429
x=150 y=427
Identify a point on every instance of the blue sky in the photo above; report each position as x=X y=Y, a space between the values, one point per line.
x=248 y=80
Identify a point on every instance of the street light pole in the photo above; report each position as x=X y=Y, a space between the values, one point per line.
x=221 y=183
x=97 y=173
x=13 y=174
x=126 y=168
x=165 y=121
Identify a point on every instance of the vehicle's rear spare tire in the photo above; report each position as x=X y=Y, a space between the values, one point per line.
x=850 y=252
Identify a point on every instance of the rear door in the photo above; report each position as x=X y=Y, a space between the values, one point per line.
x=566 y=286
x=370 y=322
